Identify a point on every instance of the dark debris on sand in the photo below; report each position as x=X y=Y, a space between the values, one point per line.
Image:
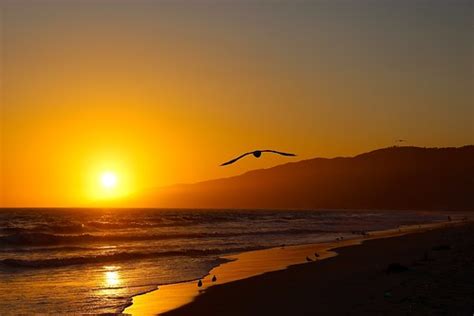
x=396 y=268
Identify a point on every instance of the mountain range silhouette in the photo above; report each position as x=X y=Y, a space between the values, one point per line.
x=395 y=178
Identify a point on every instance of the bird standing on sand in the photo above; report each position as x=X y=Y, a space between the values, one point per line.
x=214 y=279
x=199 y=283
x=309 y=259
x=316 y=255
x=256 y=154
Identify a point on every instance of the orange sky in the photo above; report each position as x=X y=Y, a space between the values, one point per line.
x=163 y=92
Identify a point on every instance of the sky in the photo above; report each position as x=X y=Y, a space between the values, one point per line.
x=161 y=92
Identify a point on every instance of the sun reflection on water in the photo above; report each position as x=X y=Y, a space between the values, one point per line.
x=112 y=276
x=113 y=285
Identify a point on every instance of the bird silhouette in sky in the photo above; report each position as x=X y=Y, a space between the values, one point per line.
x=257 y=154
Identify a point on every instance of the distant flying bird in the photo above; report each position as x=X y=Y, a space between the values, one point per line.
x=257 y=154
x=401 y=141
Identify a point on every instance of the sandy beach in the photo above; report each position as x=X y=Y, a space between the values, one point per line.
x=259 y=282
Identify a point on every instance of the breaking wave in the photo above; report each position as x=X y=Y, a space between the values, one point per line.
x=43 y=239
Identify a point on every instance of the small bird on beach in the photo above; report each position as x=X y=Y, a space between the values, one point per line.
x=257 y=154
x=214 y=279
x=316 y=255
x=199 y=283
x=309 y=259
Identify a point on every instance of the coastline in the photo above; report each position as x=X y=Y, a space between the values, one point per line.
x=254 y=263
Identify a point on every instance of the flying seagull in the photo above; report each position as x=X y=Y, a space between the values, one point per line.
x=257 y=154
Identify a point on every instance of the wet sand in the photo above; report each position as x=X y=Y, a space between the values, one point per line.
x=247 y=285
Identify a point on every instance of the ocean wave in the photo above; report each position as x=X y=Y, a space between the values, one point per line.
x=45 y=228
x=74 y=224
x=43 y=239
x=73 y=227
x=121 y=256
x=52 y=249
x=119 y=225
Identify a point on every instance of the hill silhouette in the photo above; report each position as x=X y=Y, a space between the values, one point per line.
x=388 y=178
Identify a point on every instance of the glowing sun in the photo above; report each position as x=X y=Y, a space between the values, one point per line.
x=108 y=180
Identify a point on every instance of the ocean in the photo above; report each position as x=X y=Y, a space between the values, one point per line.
x=94 y=260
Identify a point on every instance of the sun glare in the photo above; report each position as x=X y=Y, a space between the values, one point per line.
x=108 y=180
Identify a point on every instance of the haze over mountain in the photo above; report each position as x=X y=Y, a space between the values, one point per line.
x=389 y=178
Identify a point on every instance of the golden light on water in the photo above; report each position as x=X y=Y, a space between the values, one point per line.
x=112 y=276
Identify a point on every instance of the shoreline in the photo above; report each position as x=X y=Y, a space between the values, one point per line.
x=245 y=265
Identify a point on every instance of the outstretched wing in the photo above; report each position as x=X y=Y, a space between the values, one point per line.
x=278 y=152
x=235 y=159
